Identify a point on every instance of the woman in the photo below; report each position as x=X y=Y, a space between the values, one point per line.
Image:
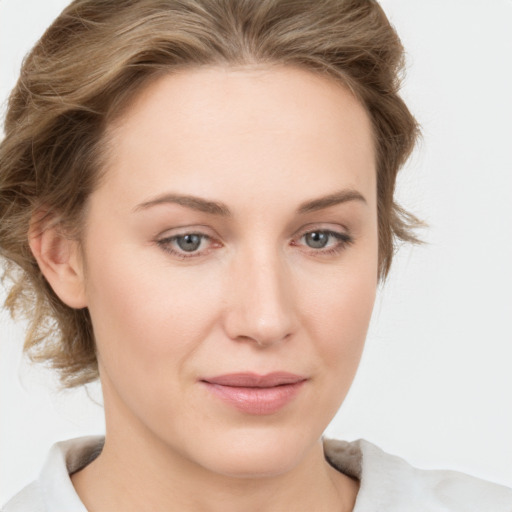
x=200 y=195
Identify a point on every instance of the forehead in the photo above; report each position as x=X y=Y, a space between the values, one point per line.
x=242 y=125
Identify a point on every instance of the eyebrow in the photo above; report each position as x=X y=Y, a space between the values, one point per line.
x=343 y=196
x=192 y=202
x=218 y=208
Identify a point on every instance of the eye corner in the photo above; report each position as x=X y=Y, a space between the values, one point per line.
x=187 y=244
x=328 y=241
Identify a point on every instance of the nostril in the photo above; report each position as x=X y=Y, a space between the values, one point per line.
x=260 y=308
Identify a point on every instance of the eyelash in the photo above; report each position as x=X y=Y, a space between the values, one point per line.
x=343 y=241
x=166 y=245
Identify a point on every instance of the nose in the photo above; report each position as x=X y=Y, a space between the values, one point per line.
x=261 y=306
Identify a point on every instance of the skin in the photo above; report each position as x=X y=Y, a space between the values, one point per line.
x=254 y=297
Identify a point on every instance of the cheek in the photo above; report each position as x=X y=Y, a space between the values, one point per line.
x=144 y=313
x=343 y=324
x=340 y=319
x=339 y=311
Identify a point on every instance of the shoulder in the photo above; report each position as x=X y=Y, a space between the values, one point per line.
x=391 y=484
x=30 y=498
x=53 y=491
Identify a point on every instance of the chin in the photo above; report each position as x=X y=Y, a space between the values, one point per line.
x=250 y=454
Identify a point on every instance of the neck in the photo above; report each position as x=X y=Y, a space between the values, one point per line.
x=138 y=470
x=144 y=476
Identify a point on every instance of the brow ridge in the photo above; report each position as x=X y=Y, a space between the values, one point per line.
x=218 y=208
x=321 y=203
x=195 y=203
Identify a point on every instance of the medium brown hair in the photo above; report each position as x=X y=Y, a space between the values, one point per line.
x=99 y=53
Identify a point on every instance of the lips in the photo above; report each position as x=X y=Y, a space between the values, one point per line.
x=252 y=380
x=256 y=394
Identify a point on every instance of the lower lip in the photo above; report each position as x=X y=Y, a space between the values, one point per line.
x=257 y=401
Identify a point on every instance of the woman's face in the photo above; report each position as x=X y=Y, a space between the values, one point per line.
x=231 y=265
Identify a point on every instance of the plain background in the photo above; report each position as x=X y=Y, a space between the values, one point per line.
x=435 y=383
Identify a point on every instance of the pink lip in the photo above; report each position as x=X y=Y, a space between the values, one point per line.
x=256 y=394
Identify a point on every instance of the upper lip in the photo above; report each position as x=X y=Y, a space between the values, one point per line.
x=253 y=380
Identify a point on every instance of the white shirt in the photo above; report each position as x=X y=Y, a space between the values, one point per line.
x=388 y=483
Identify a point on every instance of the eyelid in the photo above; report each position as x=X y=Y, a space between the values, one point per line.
x=335 y=229
x=165 y=241
x=343 y=237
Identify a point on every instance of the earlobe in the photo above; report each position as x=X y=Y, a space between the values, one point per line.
x=60 y=262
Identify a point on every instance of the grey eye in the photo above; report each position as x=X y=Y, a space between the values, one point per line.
x=316 y=239
x=189 y=243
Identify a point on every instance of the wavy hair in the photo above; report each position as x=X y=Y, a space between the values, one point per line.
x=98 y=54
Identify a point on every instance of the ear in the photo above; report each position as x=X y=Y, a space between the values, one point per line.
x=60 y=262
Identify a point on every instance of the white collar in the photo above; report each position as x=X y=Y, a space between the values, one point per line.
x=388 y=483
